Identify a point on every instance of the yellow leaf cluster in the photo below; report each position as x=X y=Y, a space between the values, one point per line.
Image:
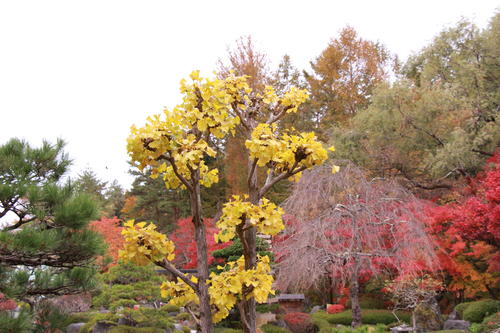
x=227 y=287
x=287 y=152
x=179 y=137
x=266 y=217
x=143 y=244
x=179 y=292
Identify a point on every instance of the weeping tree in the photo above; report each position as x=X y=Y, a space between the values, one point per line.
x=45 y=247
x=343 y=225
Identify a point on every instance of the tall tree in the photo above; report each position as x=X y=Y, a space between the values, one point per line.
x=177 y=147
x=468 y=234
x=345 y=225
x=45 y=246
x=344 y=76
x=439 y=121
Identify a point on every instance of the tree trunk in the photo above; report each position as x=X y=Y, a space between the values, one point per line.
x=249 y=243
x=202 y=258
x=354 y=291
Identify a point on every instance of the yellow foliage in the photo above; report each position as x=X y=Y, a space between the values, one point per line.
x=287 y=152
x=266 y=217
x=143 y=244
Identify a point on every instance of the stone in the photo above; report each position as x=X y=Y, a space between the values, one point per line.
x=316 y=308
x=74 y=328
x=72 y=303
x=125 y=321
x=102 y=327
x=452 y=324
x=453 y=315
x=401 y=328
x=428 y=317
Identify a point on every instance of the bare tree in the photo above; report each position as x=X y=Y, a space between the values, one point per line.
x=345 y=223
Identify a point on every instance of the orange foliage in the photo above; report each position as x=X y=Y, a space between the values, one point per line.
x=110 y=230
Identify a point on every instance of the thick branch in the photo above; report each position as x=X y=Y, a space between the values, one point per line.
x=177 y=273
x=282 y=176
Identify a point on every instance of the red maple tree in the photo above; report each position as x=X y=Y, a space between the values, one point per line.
x=185 y=245
x=111 y=231
x=468 y=233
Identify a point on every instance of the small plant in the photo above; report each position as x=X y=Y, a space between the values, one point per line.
x=334 y=308
x=299 y=322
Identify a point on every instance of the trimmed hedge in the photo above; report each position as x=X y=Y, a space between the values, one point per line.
x=475 y=312
x=371 y=317
x=269 y=328
x=130 y=329
x=369 y=302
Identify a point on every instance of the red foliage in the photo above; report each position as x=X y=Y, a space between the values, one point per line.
x=185 y=244
x=468 y=233
x=110 y=230
x=334 y=308
x=298 y=322
x=7 y=303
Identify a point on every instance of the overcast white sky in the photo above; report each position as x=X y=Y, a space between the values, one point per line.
x=85 y=71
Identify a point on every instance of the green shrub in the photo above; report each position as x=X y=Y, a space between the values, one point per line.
x=460 y=308
x=269 y=328
x=369 y=302
x=123 y=303
x=475 y=312
x=130 y=329
x=148 y=317
x=110 y=318
x=371 y=317
x=489 y=323
x=321 y=323
x=264 y=308
x=170 y=308
x=80 y=317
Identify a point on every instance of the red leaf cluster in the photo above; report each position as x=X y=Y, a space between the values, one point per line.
x=7 y=303
x=298 y=322
x=468 y=233
x=185 y=244
x=111 y=231
x=334 y=308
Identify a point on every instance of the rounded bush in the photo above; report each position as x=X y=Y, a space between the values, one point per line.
x=299 y=322
x=477 y=311
x=269 y=328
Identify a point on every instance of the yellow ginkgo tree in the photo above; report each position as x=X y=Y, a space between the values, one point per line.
x=176 y=145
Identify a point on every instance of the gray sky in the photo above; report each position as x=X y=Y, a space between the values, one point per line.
x=85 y=71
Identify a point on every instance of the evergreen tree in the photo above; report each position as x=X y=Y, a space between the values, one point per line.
x=45 y=246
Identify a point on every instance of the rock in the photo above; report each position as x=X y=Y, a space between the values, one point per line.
x=316 y=308
x=428 y=317
x=74 y=328
x=72 y=303
x=453 y=315
x=456 y=325
x=102 y=327
x=125 y=321
x=401 y=328
x=172 y=314
x=178 y=326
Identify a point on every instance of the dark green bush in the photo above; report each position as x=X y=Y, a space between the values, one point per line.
x=460 y=308
x=369 y=302
x=130 y=329
x=148 y=317
x=264 y=308
x=371 y=317
x=80 y=317
x=475 y=312
x=489 y=323
x=123 y=303
x=269 y=328
x=110 y=318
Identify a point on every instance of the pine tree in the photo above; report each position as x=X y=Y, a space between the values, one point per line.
x=45 y=246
